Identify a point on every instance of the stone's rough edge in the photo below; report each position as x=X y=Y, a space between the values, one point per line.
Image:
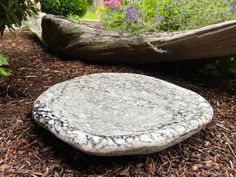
x=134 y=151
x=99 y=145
x=34 y=23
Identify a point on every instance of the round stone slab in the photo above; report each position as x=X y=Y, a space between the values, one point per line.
x=113 y=114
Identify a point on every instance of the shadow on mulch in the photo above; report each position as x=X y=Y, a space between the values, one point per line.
x=183 y=73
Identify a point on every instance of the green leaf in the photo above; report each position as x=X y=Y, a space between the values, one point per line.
x=13 y=12
x=4 y=72
x=3 y=60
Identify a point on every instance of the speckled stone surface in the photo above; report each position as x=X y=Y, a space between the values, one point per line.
x=113 y=114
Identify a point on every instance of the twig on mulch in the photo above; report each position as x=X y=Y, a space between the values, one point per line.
x=228 y=144
x=221 y=126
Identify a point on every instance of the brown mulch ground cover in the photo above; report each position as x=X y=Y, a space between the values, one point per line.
x=28 y=150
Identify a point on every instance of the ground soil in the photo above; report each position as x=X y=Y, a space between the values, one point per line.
x=28 y=150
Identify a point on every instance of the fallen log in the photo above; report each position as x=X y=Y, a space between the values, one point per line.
x=62 y=36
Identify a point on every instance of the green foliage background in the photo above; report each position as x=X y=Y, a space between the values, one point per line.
x=64 y=7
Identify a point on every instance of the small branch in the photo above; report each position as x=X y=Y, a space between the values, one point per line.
x=156 y=49
x=221 y=126
x=228 y=143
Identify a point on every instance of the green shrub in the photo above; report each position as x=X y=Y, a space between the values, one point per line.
x=3 y=63
x=64 y=7
x=51 y=6
x=14 y=12
x=74 y=7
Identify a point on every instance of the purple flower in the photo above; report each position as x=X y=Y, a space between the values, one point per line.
x=233 y=7
x=132 y=14
x=159 y=18
x=98 y=27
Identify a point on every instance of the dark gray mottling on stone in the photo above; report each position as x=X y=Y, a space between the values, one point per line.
x=112 y=114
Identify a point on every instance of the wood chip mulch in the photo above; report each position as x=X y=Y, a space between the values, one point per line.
x=28 y=150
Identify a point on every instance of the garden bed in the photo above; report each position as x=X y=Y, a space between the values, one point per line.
x=28 y=150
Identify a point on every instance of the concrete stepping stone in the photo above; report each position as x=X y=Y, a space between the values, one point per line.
x=113 y=114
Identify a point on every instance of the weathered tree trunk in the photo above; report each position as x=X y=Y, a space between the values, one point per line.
x=62 y=36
